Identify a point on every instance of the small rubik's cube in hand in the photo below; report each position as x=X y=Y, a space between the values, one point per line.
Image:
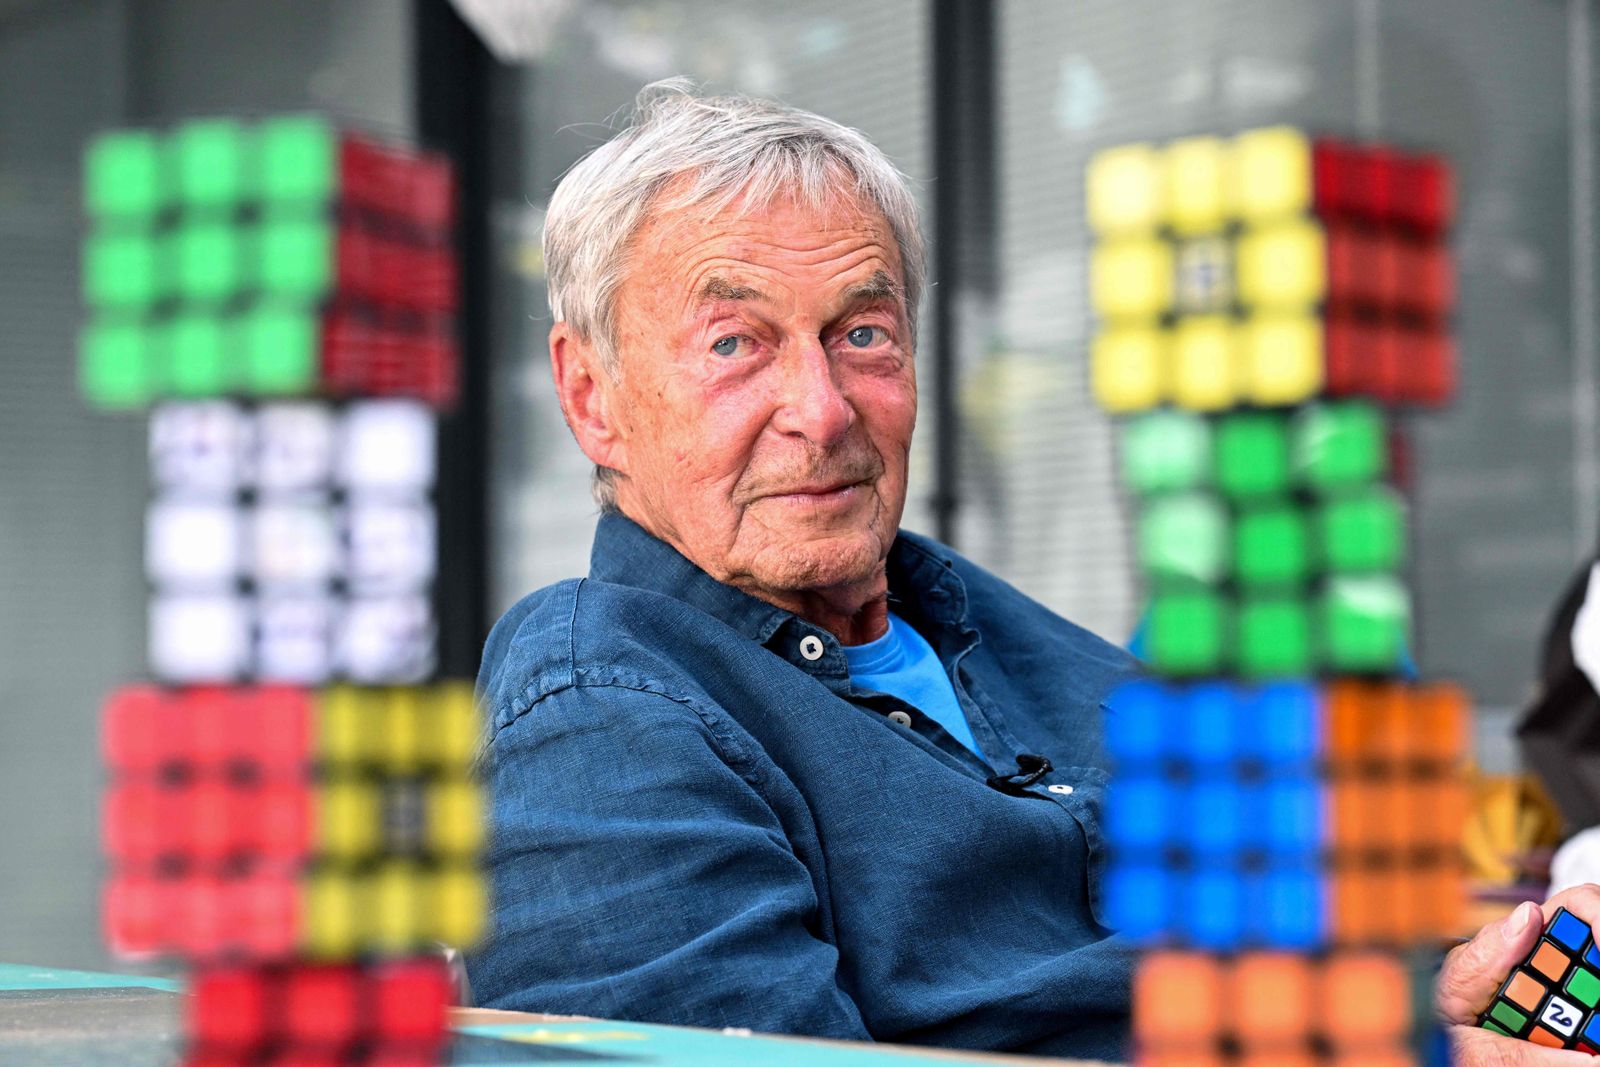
x=1552 y=997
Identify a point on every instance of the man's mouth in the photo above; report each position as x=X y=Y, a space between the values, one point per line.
x=819 y=493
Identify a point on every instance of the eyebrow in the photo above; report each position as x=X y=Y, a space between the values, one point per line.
x=717 y=288
x=878 y=287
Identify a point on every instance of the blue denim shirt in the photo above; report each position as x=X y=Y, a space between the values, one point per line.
x=696 y=823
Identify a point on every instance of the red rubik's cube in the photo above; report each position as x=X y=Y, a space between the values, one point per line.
x=392 y=1013
x=264 y=823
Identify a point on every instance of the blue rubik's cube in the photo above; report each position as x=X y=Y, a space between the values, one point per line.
x=1286 y=816
x=1215 y=824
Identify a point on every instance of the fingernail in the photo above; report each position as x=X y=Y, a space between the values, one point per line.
x=1518 y=920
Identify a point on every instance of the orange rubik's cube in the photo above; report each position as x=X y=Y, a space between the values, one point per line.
x=1284 y=819
x=1350 y=1008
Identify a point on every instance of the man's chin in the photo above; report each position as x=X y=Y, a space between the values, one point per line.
x=821 y=561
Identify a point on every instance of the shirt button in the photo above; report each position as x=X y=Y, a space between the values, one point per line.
x=1064 y=790
x=899 y=718
x=811 y=647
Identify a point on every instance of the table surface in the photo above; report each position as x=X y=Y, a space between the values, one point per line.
x=89 y=1019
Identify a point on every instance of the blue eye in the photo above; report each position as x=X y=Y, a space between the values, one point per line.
x=727 y=346
x=863 y=336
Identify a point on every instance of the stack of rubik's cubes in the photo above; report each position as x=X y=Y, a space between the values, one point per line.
x=1284 y=826
x=292 y=808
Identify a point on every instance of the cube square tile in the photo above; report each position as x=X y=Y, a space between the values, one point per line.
x=211 y=163
x=1188 y=632
x=1184 y=538
x=1339 y=446
x=1252 y=455
x=1272 y=546
x=1362 y=531
x=125 y=176
x=1166 y=451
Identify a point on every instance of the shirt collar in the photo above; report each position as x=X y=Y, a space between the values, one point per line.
x=922 y=581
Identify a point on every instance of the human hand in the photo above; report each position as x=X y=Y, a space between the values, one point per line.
x=1473 y=973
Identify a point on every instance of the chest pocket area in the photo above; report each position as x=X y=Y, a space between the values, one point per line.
x=1087 y=803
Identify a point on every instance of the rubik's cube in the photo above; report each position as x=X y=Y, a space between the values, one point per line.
x=1198 y=1010
x=271 y=823
x=1553 y=997
x=1269 y=269
x=1268 y=540
x=292 y=541
x=268 y=259
x=1284 y=821
x=392 y=1013
x=1285 y=816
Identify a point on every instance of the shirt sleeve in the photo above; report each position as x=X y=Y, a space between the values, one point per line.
x=637 y=875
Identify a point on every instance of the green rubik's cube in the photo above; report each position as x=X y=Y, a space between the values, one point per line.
x=1268 y=541
x=215 y=252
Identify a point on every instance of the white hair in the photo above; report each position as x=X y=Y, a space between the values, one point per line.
x=725 y=149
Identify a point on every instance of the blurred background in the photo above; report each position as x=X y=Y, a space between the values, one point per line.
x=992 y=106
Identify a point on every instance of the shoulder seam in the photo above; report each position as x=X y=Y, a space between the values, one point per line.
x=572 y=632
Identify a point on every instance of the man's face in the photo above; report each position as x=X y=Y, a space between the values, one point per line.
x=767 y=391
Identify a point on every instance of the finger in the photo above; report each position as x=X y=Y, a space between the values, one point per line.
x=1475 y=1047
x=1472 y=973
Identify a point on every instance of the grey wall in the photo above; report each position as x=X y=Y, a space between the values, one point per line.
x=72 y=481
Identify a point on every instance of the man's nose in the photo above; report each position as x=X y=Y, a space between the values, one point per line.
x=812 y=403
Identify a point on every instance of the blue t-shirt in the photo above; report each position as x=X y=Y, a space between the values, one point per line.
x=903 y=664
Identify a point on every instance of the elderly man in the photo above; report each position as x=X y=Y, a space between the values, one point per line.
x=776 y=763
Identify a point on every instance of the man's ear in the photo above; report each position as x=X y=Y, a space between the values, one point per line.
x=586 y=394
